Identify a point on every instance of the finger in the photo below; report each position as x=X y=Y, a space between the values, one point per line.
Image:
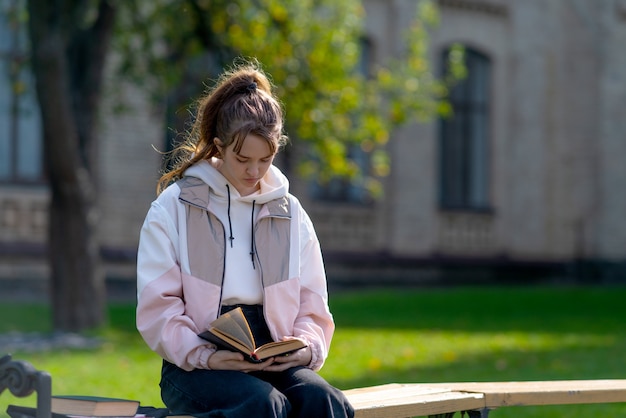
x=279 y=367
x=256 y=367
x=224 y=360
x=233 y=356
x=267 y=362
x=286 y=358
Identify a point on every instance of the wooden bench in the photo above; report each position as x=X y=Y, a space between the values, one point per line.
x=392 y=400
x=477 y=399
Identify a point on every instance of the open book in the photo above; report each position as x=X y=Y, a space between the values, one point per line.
x=231 y=331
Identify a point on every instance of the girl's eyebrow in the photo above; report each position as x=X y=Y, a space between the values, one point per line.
x=247 y=158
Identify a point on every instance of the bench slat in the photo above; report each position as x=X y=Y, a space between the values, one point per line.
x=557 y=392
x=421 y=399
x=408 y=400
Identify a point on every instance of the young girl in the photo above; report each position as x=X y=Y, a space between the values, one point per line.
x=224 y=232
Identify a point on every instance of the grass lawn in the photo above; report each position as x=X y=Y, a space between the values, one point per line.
x=383 y=336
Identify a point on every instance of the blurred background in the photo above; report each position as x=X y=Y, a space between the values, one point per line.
x=521 y=180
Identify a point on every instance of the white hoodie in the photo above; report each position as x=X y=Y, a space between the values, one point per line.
x=237 y=213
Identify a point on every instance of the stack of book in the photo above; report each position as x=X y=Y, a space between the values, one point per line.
x=83 y=407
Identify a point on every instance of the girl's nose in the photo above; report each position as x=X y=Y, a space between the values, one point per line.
x=253 y=170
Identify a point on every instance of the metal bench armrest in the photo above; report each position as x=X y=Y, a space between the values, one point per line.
x=22 y=379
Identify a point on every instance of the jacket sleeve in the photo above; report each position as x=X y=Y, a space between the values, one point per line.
x=161 y=318
x=314 y=323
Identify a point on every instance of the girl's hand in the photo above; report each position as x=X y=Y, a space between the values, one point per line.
x=229 y=360
x=301 y=357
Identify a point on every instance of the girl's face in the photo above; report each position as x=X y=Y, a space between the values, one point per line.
x=245 y=169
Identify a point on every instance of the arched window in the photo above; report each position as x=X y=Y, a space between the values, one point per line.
x=464 y=139
x=20 y=121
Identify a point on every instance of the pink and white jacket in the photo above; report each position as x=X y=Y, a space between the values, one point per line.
x=180 y=269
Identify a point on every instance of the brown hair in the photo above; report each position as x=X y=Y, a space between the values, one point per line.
x=241 y=103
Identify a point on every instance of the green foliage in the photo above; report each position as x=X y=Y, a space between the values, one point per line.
x=313 y=51
x=17 y=60
x=422 y=335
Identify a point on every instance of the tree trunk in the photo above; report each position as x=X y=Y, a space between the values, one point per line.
x=67 y=60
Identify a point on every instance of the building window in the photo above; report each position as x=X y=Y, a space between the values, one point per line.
x=340 y=190
x=464 y=139
x=20 y=122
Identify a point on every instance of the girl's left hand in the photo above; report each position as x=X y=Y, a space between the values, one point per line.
x=301 y=357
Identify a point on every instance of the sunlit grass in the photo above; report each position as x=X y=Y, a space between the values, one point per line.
x=473 y=334
x=404 y=351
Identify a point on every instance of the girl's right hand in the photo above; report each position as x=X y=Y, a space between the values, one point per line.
x=229 y=360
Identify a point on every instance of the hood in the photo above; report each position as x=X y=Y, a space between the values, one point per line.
x=274 y=184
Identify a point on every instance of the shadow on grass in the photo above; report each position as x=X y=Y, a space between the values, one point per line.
x=549 y=309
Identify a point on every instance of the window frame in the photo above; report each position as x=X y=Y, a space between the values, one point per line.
x=464 y=138
x=23 y=132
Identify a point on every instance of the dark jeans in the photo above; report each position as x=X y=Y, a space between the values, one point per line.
x=295 y=393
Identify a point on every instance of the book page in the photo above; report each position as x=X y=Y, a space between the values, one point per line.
x=278 y=347
x=234 y=324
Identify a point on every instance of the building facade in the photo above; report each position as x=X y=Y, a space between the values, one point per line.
x=527 y=178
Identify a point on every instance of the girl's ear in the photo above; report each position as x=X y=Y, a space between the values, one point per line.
x=220 y=145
